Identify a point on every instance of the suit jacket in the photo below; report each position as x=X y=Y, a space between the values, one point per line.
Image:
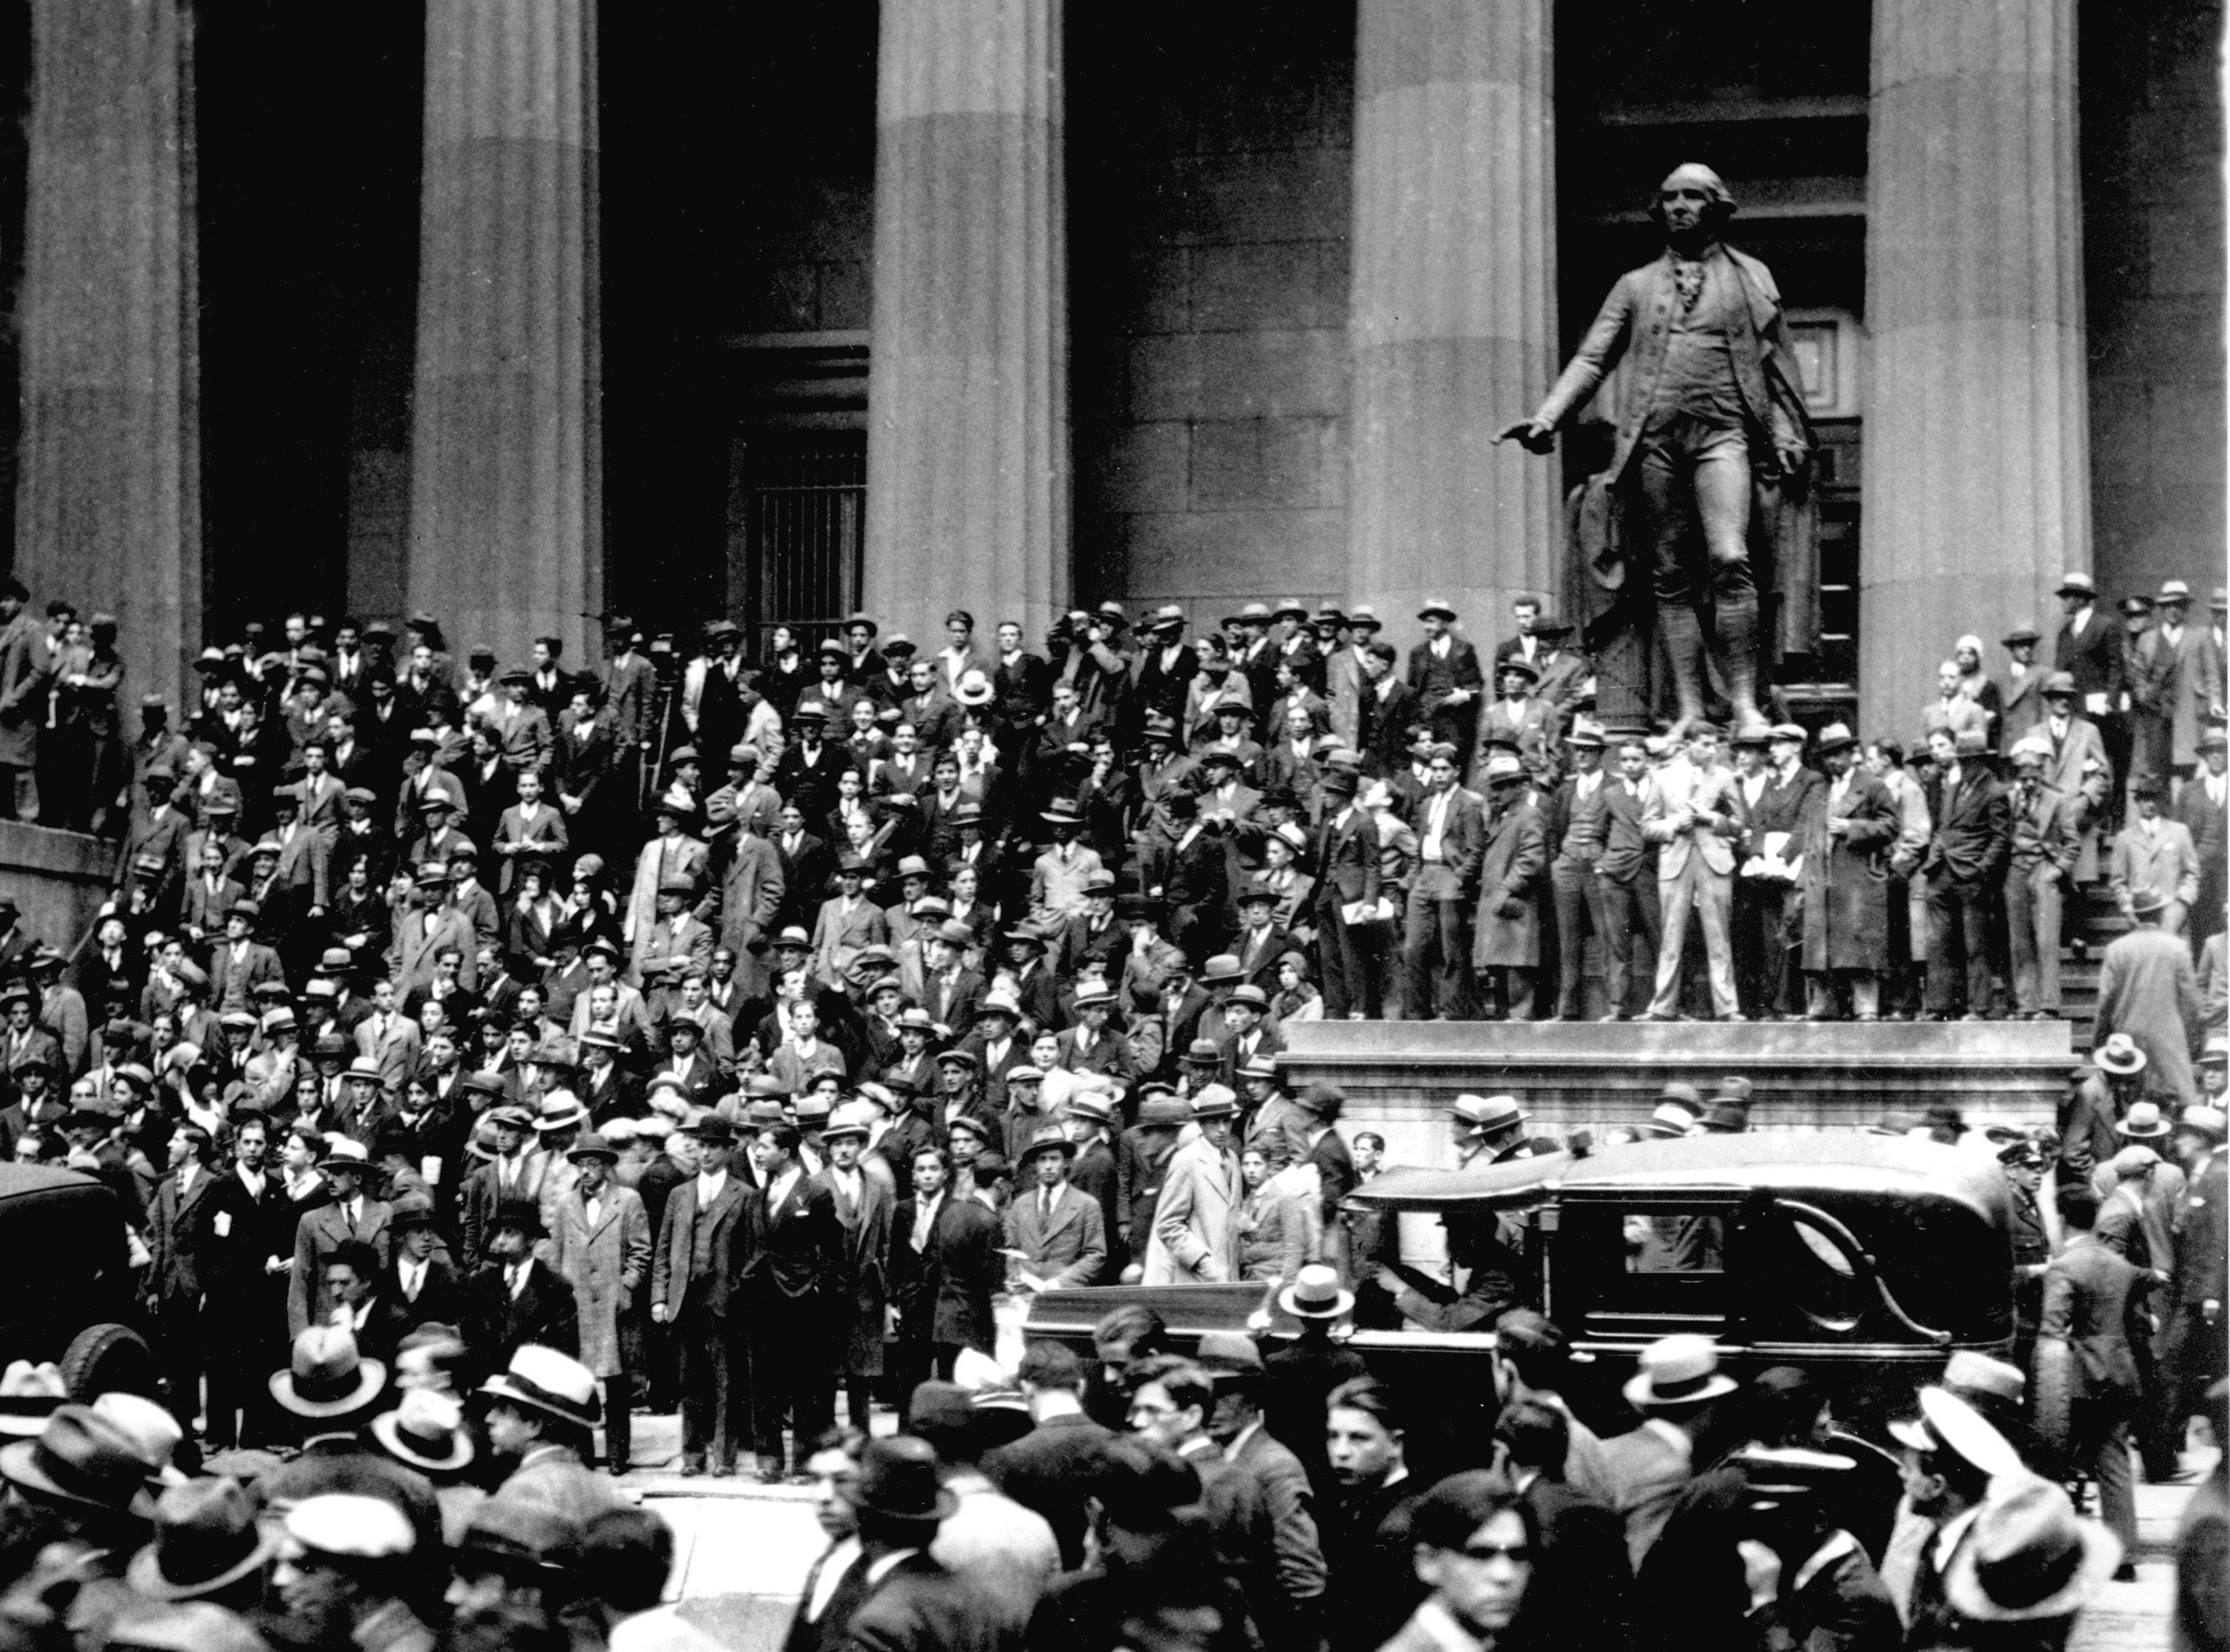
x=1052 y=1470
x=674 y=1279
x=480 y=1194
x=2165 y=860
x=1583 y=1563
x=393 y=1045
x=1648 y=1474
x=2089 y=1296
x=795 y=1254
x=1196 y=1234
x=2202 y=1237
x=2097 y=659
x=175 y=1228
x=1972 y=831
x=751 y=890
x=1711 y=796
x=411 y=955
x=498 y=1323
x=322 y=1231
x=1347 y=860
x=942 y=1292
x=1284 y=1484
x=918 y=1606
x=838 y=936
x=544 y=836
x=1068 y=1249
x=231 y=983
x=440 y=1301
x=860 y=1287
x=2148 y=989
x=229 y=1265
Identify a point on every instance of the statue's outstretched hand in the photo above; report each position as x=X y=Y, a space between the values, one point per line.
x=1534 y=436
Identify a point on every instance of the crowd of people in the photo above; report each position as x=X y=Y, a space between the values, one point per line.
x=721 y=1035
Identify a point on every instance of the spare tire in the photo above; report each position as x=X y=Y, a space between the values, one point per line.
x=2054 y=1384
x=108 y=1359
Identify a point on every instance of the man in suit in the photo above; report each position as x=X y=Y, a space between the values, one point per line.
x=241 y=963
x=353 y=1217
x=1195 y=1228
x=2149 y=991
x=2090 y=1294
x=1692 y=810
x=2047 y=827
x=751 y=896
x=1346 y=868
x=848 y=921
x=786 y=1287
x=1768 y=911
x=521 y=728
x=807 y=865
x=864 y=1199
x=514 y=1298
x=1951 y=1453
x=944 y=1265
x=2202 y=807
x=1521 y=720
x=425 y=1286
x=2078 y=765
x=424 y=929
x=176 y=1226
x=1966 y=850
x=2091 y=652
x=2176 y=688
x=389 y=1037
x=1056 y=1468
x=694 y=1289
x=1576 y=823
x=1451 y=829
x=1444 y=676
x=1280 y=1482
x=1059 y=1232
x=517 y=1172
x=2191 y=1355
x=240 y=1258
x=1680 y=1391
x=2022 y=707
x=529 y=827
x=2154 y=853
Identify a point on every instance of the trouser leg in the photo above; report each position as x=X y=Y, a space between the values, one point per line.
x=1453 y=980
x=1975 y=925
x=2021 y=937
x=1614 y=906
x=619 y=1422
x=178 y=1335
x=1944 y=937
x=1568 y=887
x=1674 y=896
x=1421 y=939
x=1713 y=895
x=1341 y=964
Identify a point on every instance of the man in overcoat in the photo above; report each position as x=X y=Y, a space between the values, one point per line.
x=1847 y=832
x=692 y=1288
x=600 y=1244
x=1513 y=863
x=786 y=1280
x=2148 y=989
x=944 y=1265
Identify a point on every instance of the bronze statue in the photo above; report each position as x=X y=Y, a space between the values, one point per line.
x=1708 y=484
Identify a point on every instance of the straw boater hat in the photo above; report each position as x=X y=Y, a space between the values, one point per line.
x=80 y=1460
x=1682 y=1370
x=2119 y=1055
x=1315 y=1293
x=427 y=1430
x=542 y=1380
x=1947 y=1423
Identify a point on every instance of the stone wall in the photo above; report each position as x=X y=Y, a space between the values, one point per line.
x=58 y=880
x=2152 y=141
x=1208 y=207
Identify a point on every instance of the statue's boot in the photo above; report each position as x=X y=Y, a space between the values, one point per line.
x=1736 y=629
x=1684 y=643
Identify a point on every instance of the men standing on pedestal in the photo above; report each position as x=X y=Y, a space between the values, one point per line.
x=1689 y=810
x=1445 y=676
x=1848 y=830
x=1712 y=431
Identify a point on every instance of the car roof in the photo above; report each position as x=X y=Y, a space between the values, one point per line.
x=1787 y=1159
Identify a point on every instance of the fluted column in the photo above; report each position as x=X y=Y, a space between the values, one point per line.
x=507 y=507
x=1453 y=307
x=109 y=503
x=968 y=445
x=1977 y=454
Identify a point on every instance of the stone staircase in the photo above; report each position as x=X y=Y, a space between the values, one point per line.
x=2090 y=924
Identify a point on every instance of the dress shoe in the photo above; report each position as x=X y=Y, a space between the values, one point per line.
x=1615 y=1015
x=692 y=1466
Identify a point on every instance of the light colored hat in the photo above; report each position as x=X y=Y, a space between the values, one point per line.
x=1214 y=1102
x=29 y=1394
x=1947 y=1423
x=350 y=1526
x=2143 y=1121
x=148 y=1426
x=2206 y=1121
x=2027 y=1557
x=326 y=1377
x=546 y=1381
x=1315 y=1293
x=206 y=1538
x=426 y=1430
x=2120 y=1055
x=1487 y=1114
x=1682 y=1370
x=1972 y=1373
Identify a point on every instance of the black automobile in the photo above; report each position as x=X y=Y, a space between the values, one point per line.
x=68 y=1292
x=1865 y=1260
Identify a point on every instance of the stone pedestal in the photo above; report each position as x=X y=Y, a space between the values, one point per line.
x=1452 y=309
x=506 y=519
x=109 y=503
x=1977 y=472
x=968 y=445
x=1401 y=1075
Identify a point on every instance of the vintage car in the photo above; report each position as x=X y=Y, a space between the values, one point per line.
x=1865 y=1260
x=69 y=1297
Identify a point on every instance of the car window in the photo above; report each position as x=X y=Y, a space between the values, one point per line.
x=1643 y=1269
x=1808 y=1267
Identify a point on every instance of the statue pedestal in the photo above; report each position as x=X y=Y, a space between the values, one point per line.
x=1401 y=1075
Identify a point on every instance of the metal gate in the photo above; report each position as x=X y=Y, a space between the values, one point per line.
x=796 y=533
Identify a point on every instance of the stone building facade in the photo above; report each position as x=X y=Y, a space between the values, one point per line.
x=523 y=311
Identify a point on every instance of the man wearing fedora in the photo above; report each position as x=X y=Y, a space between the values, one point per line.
x=2202 y=808
x=2190 y=1348
x=1513 y=865
x=1443 y=674
x=2153 y=852
x=1846 y=837
x=600 y=1245
x=2175 y=687
x=1967 y=850
x=2148 y=993
x=1346 y=865
x=353 y=1215
x=514 y=1298
x=1058 y=1231
x=540 y=1413
x=176 y=1225
x=693 y=1287
x=790 y=1263
x=864 y=1199
x=207 y=1546
x=519 y=1171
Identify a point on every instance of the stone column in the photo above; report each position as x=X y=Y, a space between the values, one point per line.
x=1452 y=309
x=109 y=503
x=506 y=516
x=968 y=443
x=1977 y=459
